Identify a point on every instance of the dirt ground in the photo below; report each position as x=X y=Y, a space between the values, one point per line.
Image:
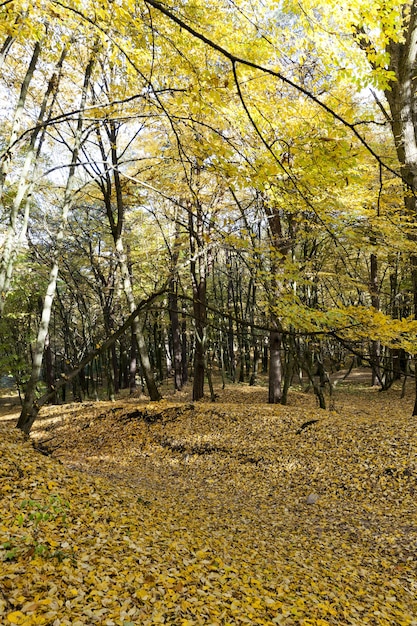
x=9 y=406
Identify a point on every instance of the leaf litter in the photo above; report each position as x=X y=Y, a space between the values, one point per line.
x=134 y=513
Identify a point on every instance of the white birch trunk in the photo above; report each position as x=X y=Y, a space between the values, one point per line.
x=16 y=234
x=30 y=408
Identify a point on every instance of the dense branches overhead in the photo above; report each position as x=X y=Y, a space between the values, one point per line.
x=256 y=159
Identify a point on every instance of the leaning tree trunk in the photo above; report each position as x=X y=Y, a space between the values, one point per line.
x=11 y=233
x=93 y=356
x=30 y=408
x=16 y=234
x=5 y=49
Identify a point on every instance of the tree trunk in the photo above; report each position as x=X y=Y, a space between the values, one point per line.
x=288 y=375
x=15 y=234
x=132 y=364
x=414 y=276
x=275 y=367
x=402 y=99
x=184 y=351
x=230 y=333
x=279 y=251
x=199 y=307
x=30 y=408
x=256 y=361
x=199 y=271
x=176 y=334
x=11 y=234
x=5 y=49
x=27 y=416
x=116 y=226
x=49 y=371
x=93 y=357
x=375 y=301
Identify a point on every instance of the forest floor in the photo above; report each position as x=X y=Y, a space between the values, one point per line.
x=236 y=512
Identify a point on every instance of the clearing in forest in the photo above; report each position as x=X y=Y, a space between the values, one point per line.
x=236 y=512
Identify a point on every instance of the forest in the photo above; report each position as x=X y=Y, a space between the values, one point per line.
x=208 y=312
x=220 y=188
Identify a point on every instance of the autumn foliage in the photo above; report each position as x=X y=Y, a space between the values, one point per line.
x=237 y=512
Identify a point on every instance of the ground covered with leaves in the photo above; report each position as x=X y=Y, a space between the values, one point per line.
x=236 y=512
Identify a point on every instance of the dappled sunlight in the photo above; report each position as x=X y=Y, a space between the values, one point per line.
x=237 y=506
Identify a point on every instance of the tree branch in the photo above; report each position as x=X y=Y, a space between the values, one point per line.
x=235 y=59
x=102 y=348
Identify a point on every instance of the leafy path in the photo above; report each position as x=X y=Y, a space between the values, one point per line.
x=228 y=513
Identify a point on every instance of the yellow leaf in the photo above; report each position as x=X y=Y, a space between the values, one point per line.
x=142 y=594
x=16 y=617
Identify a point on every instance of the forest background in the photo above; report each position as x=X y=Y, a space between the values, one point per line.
x=194 y=195
x=221 y=185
